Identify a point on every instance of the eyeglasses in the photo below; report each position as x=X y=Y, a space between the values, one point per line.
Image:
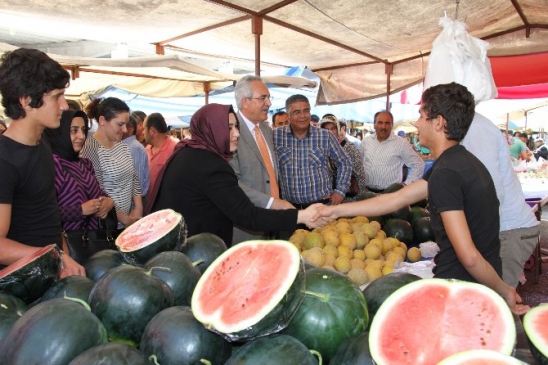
x=263 y=98
x=298 y=113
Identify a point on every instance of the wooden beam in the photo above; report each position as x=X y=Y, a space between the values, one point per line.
x=345 y=66
x=117 y=73
x=275 y=7
x=257 y=31
x=205 y=29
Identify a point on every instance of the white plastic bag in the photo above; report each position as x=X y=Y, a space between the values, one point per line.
x=458 y=57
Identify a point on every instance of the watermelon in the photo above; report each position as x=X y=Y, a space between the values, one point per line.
x=422 y=230
x=402 y=213
x=53 y=332
x=273 y=350
x=535 y=324
x=428 y=320
x=178 y=272
x=98 y=264
x=30 y=277
x=164 y=230
x=204 y=248
x=354 y=351
x=126 y=298
x=332 y=311
x=418 y=212
x=393 y=188
x=251 y=290
x=175 y=337
x=71 y=286
x=480 y=357
x=379 y=289
x=112 y=353
x=11 y=308
x=400 y=229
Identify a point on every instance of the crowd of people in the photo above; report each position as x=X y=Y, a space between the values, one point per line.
x=240 y=178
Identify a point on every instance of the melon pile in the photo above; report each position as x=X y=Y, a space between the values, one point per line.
x=355 y=247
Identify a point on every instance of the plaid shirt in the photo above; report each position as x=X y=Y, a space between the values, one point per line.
x=304 y=165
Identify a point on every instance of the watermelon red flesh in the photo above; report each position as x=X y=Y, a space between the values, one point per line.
x=244 y=284
x=148 y=229
x=450 y=316
x=164 y=230
x=535 y=324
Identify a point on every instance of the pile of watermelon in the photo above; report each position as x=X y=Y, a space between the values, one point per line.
x=254 y=303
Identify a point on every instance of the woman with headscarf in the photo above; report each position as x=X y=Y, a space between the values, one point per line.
x=79 y=195
x=198 y=182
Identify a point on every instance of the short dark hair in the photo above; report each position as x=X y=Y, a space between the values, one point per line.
x=30 y=73
x=157 y=121
x=73 y=104
x=107 y=108
x=454 y=103
x=381 y=112
x=276 y=115
x=295 y=99
x=132 y=124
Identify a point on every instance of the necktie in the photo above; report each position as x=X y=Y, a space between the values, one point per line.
x=274 y=192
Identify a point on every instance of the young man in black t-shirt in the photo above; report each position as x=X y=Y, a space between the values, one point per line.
x=462 y=197
x=32 y=87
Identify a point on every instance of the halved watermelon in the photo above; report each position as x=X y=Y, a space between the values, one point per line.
x=30 y=277
x=480 y=357
x=535 y=324
x=164 y=230
x=251 y=290
x=428 y=320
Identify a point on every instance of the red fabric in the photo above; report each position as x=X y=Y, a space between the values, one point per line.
x=523 y=92
x=520 y=70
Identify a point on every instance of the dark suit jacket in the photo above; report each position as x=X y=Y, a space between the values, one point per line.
x=203 y=187
x=252 y=175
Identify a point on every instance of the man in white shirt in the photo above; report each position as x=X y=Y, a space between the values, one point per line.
x=385 y=154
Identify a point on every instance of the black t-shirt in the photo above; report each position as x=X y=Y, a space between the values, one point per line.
x=27 y=179
x=459 y=181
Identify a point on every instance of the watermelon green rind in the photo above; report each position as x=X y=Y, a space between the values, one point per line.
x=52 y=332
x=112 y=353
x=332 y=311
x=126 y=298
x=378 y=290
x=137 y=250
x=354 y=351
x=535 y=324
x=272 y=316
x=204 y=247
x=472 y=357
x=273 y=350
x=177 y=271
x=485 y=322
x=175 y=337
x=29 y=277
x=101 y=262
x=75 y=286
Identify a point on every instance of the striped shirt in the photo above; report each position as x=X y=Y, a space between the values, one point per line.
x=384 y=161
x=72 y=193
x=114 y=171
x=140 y=162
x=304 y=165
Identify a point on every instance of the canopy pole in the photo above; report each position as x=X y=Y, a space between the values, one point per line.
x=388 y=68
x=207 y=89
x=257 y=30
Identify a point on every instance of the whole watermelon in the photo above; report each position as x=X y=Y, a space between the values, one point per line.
x=11 y=308
x=175 y=337
x=354 y=351
x=203 y=249
x=53 y=332
x=126 y=298
x=273 y=350
x=98 y=264
x=400 y=229
x=75 y=286
x=178 y=272
x=112 y=353
x=333 y=310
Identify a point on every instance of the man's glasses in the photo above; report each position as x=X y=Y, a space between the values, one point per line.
x=263 y=98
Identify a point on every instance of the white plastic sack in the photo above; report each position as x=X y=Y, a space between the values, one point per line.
x=458 y=57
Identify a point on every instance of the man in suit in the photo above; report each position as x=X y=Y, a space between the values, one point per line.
x=254 y=173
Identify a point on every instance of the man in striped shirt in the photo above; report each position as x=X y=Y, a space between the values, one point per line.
x=303 y=158
x=385 y=154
